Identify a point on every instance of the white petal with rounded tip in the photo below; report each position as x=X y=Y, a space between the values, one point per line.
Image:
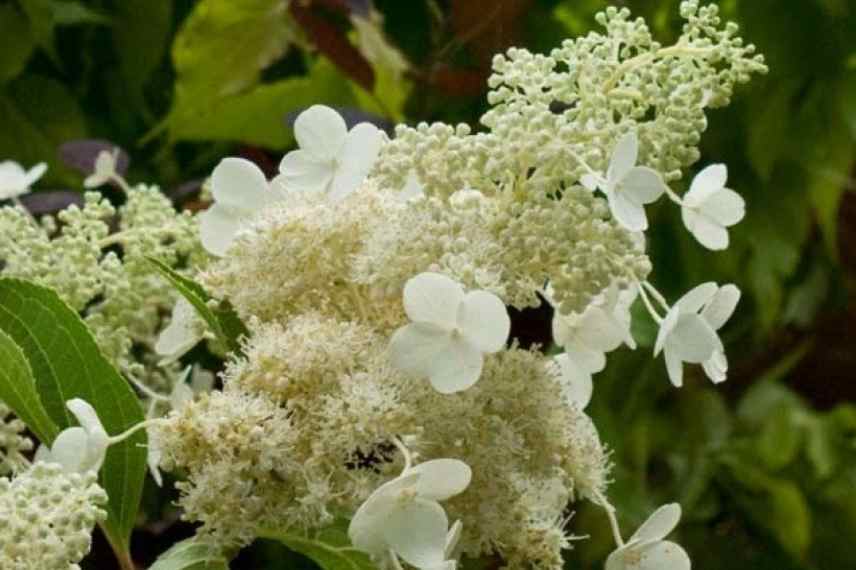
x=362 y=147
x=693 y=340
x=416 y=531
x=301 y=172
x=643 y=185
x=666 y=327
x=441 y=478
x=452 y=538
x=153 y=459
x=662 y=555
x=708 y=233
x=320 y=131
x=659 y=525
x=591 y=181
x=602 y=331
x=716 y=367
x=181 y=334
x=70 y=450
x=417 y=347
x=35 y=173
x=458 y=368
x=180 y=395
x=721 y=306
x=725 y=207
x=617 y=559
x=697 y=297
x=85 y=414
x=218 y=226
x=706 y=183
x=674 y=367
x=366 y=527
x=576 y=382
x=626 y=212
x=588 y=359
x=623 y=157
x=239 y=183
x=484 y=321
x=433 y=298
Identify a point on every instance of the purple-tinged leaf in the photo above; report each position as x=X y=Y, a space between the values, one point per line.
x=42 y=203
x=81 y=154
x=359 y=7
x=185 y=191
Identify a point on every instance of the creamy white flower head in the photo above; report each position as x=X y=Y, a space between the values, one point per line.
x=450 y=332
x=627 y=187
x=647 y=549
x=15 y=181
x=709 y=207
x=240 y=191
x=105 y=169
x=403 y=517
x=601 y=328
x=688 y=332
x=78 y=449
x=331 y=159
x=576 y=381
x=185 y=329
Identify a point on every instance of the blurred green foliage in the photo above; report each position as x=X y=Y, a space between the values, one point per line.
x=765 y=465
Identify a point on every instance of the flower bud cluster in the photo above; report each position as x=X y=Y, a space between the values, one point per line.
x=14 y=442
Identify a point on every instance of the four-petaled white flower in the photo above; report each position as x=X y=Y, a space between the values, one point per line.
x=602 y=327
x=688 y=332
x=104 y=170
x=331 y=159
x=450 y=332
x=403 y=517
x=647 y=549
x=15 y=181
x=709 y=207
x=78 y=449
x=240 y=191
x=627 y=187
x=575 y=380
x=186 y=328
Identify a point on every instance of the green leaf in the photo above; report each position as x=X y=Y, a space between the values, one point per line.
x=191 y=555
x=18 y=390
x=67 y=363
x=222 y=320
x=73 y=13
x=330 y=549
x=779 y=441
x=18 y=42
x=258 y=115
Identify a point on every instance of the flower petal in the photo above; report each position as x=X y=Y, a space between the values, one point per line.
x=300 y=172
x=35 y=173
x=720 y=308
x=182 y=333
x=662 y=555
x=603 y=332
x=674 y=367
x=708 y=232
x=658 y=526
x=693 y=340
x=707 y=182
x=623 y=158
x=591 y=181
x=697 y=297
x=716 y=367
x=577 y=386
x=433 y=298
x=587 y=358
x=643 y=185
x=366 y=527
x=630 y=214
x=320 y=131
x=442 y=478
x=725 y=207
x=85 y=414
x=218 y=226
x=415 y=348
x=452 y=539
x=69 y=449
x=239 y=183
x=359 y=154
x=666 y=328
x=617 y=560
x=416 y=531
x=459 y=368
x=484 y=321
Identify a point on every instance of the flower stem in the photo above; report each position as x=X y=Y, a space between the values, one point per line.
x=610 y=513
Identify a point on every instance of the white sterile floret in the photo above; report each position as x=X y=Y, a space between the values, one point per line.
x=240 y=191
x=15 y=181
x=413 y=188
x=450 y=332
x=576 y=381
x=688 y=332
x=709 y=207
x=602 y=327
x=627 y=187
x=104 y=170
x=403 y=517
x=331 y=159
x=184 y=331
x=78 y=449
x=647 y=549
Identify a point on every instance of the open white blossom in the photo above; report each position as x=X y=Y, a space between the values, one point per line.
x=331 y=159
x=15 y=181
x=403 y=517
x=240 y=191
x=79 y=449
x=709 y=207
x=686 y=335
x=647 y=549
x=627 y=187
x=576 y=381
x=186 y=328
x=105 y=169
x=602 y=327
x=450 y=332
